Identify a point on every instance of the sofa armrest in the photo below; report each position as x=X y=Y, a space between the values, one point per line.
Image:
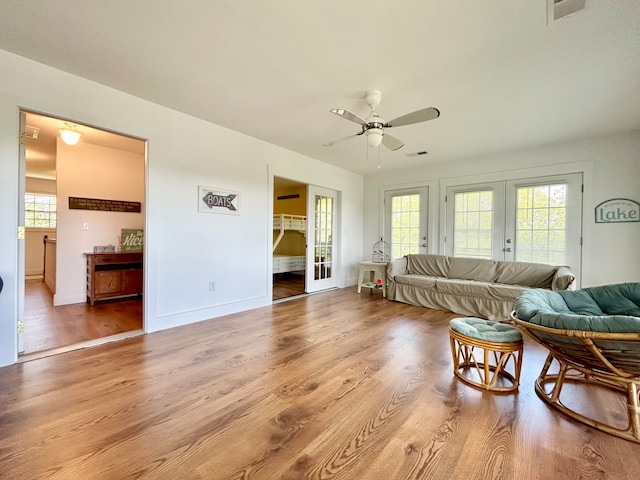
x=396 y=267
x=563 y=279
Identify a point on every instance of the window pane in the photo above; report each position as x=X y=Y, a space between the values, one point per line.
x=473 y=224
x=40 y=210
x=405 y=224
x=541 y=224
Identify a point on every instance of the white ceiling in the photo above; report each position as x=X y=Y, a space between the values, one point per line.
x=501 y=76
x=40 y=152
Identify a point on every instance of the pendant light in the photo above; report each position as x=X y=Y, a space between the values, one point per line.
x=70 y=135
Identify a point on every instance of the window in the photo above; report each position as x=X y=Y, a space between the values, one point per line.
x=40 y=210
x=406 y=220
x=536 y=220
x=541 y=224
x=473 y=224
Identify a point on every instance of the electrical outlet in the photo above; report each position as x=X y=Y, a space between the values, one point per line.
x=85 y=226
x=212 y=286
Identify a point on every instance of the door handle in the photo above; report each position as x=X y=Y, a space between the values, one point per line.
x=424 y=244
x=508 y=249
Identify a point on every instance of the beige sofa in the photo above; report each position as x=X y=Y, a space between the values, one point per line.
x=469 y=286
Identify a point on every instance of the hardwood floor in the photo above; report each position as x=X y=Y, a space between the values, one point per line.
x=287 y=285
x=333 y=385
x=47 y=327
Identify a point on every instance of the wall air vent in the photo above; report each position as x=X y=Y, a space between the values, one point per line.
x=417 y=154
x=556 y=9
x=31 y=132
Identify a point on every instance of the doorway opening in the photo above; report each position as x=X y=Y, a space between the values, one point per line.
x=289 y=238
x=75 y=201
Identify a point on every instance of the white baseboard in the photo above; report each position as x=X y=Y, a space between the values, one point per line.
x=68 y=299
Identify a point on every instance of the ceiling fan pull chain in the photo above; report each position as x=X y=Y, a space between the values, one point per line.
x=367 y=161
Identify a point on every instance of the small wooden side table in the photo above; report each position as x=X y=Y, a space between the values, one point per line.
x=375 y=270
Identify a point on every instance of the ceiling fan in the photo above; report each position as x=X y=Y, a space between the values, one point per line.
x=374 y=126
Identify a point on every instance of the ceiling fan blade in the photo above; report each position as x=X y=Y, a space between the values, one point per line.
x=329 y=144
x=392 y=143
x=341 y=112
x=423 y=115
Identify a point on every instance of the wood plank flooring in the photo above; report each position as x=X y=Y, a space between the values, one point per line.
x=47 y=327
x=287 y=285
x=329 y=386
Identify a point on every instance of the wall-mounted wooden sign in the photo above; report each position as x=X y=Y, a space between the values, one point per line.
x=618 y=210
x=77 y=203
x=214 y=200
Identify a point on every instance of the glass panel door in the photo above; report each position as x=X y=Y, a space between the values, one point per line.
x=321 y=221
x=544 y=221
x=536 y=220
x=406 y=220
x=475 y=221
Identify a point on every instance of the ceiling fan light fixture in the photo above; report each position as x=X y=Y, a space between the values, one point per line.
x=374 y=137
x=70 y=135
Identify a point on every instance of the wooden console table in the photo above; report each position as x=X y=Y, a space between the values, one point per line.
x=113 y=275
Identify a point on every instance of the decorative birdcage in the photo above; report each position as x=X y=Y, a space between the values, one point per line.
x=381 y=252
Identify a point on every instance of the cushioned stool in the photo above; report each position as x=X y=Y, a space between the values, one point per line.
x=500 y=343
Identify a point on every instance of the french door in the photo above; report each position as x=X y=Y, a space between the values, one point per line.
x=321 y=239
x=535 y=220
x=406 y=220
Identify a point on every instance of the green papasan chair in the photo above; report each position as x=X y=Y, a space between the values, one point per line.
x=594 y=336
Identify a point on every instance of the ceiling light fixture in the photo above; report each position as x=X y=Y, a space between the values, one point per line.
x=374 y=137
x=70 y=135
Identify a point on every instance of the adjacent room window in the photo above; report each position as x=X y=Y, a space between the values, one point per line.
x=40 y=210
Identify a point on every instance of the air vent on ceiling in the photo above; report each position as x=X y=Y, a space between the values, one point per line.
x=417 y=154
x=31 y=132
x=556 y=9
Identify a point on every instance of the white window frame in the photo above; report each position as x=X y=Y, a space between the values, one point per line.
x=433 y=228
x=549 y=172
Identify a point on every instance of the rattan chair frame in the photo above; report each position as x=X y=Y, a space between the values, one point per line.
x=492 y=364
x=588 y=357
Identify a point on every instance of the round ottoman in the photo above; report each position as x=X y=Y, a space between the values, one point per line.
x=483 y=351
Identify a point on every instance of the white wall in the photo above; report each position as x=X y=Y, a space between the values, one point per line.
x=611 y=167
x=34 y=249
x=40 y=185
x=184 y=249
x=92 y=171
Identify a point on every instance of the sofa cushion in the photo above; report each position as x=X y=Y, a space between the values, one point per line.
x=534 y=275
x=420 y=281
x=479 y=269
x=618 y=304
x=533 y=302
x=427 y=264
x=481 y=290
x=485 y=330
x=618 y=299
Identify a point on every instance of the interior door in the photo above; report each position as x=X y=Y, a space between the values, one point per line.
x=22 y=173
x=406 y=220
x=321 y=239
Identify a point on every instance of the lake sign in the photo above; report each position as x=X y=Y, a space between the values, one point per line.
x=618 y=210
